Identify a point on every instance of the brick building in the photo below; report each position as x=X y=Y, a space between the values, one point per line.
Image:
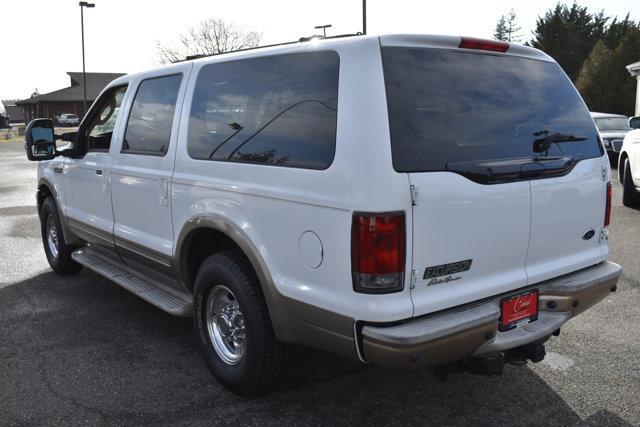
x=67 y=100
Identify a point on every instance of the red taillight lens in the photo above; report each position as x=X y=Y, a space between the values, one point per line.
x=607 y=212
x=378 y=250
x=482 y=44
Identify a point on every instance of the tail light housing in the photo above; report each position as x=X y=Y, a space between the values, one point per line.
x=607 y=212
x=378 y=252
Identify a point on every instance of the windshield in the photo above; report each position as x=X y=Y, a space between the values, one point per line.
x=448 y=106
x=605 y=124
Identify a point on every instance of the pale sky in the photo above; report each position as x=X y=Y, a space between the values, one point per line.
x=41 y=38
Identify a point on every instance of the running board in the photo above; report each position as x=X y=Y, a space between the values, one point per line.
x=123 y=276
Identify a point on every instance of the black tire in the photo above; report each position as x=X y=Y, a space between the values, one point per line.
x=630 y=196
x=61 y=263
x=263 y=363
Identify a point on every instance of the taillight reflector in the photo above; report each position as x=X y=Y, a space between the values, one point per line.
x=378 y=252
x=607 y=212
x=482 y=44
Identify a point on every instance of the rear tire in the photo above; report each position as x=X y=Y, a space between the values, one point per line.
x=630 y=196
x=58 y=252
x=233 y=326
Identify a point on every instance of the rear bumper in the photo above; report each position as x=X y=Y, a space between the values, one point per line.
x=472 y=330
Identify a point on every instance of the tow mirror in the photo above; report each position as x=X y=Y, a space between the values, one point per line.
x=634 y=122
x=40 y=142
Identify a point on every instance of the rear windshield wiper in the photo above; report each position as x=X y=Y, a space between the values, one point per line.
x=547 y=139
x=515 y=169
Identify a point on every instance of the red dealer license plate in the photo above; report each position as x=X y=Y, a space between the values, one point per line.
x=516 y=310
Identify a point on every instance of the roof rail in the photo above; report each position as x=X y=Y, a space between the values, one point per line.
x=300 y=40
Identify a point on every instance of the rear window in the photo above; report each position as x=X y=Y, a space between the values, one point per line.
x=450 y=106
x=276 y=110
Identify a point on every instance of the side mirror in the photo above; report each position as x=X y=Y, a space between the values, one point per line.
x=40 y=142
x=634 y=122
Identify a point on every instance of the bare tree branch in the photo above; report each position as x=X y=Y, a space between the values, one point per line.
x=209 y=37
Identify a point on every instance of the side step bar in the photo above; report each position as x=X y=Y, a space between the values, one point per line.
x=124 y=276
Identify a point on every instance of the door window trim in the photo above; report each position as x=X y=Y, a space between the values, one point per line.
x=82 y=138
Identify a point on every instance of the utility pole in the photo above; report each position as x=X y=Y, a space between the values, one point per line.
x=323 y=28
x=364 y=16
x=82 y=5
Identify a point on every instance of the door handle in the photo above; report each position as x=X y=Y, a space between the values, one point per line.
x=98 y=172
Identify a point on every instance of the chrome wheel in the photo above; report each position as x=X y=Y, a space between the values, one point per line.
x=52 y=236
x=225 y=324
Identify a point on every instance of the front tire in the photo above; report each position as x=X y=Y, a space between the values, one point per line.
x=630 y=196
x=233 y=326
x=58 y=252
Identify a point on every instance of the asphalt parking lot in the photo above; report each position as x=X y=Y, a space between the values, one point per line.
x=79 y=349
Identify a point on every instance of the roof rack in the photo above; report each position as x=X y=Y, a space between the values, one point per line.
x=300 y=40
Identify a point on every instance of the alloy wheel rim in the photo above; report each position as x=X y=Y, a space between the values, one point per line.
x=52 y=237
x=225 y=324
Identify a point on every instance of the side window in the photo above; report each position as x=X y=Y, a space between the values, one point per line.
x=149 y=126
x=277 y=110
x=100 y=128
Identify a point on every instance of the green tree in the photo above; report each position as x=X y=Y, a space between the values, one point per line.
x=604 y=82
x=569 y=34
x=627 y=52
x=592 y=83
x=507 y=28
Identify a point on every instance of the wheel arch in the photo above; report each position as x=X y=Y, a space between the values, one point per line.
x=293 y=321
x=47 y=189
x=219 y=233
x=621 y=159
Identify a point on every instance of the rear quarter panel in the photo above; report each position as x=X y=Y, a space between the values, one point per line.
x=274 y=206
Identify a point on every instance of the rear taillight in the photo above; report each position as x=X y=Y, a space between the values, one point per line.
x=482 y=44
x=607 y=212
x=377 y=252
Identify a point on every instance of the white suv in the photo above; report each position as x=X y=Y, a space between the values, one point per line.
x=406 y=201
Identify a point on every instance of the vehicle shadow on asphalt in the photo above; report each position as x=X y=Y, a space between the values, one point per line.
x=81 y=349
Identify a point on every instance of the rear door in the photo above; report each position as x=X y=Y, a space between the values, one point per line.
x=498 y=148
x=141 y=176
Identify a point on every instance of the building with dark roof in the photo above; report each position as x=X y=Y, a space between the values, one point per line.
x=67 y=100
x=15 y=113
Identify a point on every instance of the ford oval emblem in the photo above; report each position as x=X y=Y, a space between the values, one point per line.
x=588 y=234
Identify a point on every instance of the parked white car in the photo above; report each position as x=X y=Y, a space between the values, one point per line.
x=67 y=119
x=407 y=201
x=629 y=165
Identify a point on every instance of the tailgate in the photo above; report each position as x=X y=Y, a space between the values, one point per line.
x=470 y=240
x=507 y=164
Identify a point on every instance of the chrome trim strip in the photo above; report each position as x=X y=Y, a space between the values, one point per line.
x=143 y=252
x=93 y=231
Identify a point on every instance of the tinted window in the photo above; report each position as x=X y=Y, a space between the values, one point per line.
x=278 y=110
x=100 y=126
x=149 y=126
x=451 y=106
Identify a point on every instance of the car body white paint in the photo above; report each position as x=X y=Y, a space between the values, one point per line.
x=631 y=150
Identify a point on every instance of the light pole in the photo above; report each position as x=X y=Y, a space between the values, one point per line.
x=82 y=5
x=364 y=16
x=323 y=28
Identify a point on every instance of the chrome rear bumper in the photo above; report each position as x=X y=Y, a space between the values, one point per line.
x=472 y=330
